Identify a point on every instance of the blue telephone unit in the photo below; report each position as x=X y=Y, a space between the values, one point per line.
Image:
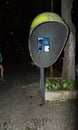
x=43 y=44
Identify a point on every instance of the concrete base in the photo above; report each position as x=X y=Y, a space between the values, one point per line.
x=60 y=95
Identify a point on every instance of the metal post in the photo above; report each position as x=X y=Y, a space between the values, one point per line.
x=51 y=71
x=42 y=88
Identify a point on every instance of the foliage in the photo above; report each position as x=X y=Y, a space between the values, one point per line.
x=69 y=84
x=56 y=84
x=52 y=84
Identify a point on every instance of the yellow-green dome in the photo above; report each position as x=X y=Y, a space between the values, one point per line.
x=45 y=17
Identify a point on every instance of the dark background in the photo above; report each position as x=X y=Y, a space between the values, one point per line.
x=15 y=19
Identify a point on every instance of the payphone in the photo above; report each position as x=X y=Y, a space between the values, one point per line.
x=47 y=38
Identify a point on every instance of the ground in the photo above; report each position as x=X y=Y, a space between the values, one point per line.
x=20 y=102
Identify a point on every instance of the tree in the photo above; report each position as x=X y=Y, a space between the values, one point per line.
x=68 y=71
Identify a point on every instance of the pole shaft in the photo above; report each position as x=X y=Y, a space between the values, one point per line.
x=42 y=88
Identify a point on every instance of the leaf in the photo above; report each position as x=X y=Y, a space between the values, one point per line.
x=52 y=84
x=69 y=84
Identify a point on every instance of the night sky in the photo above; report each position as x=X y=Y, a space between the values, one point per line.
x=15 y=19
x=20 y=13
x=17 y=15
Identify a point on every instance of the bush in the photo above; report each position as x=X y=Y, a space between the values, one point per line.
x=69 y=84
x=57 y=84
x=52 y=84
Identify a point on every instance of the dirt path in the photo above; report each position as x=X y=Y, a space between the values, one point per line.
x=20 y=107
